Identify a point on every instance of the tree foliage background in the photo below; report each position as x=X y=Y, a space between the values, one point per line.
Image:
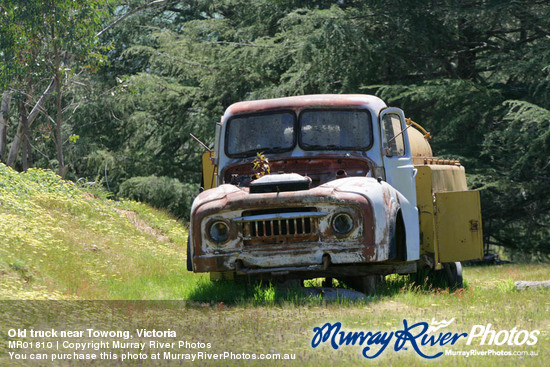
x=476 y=73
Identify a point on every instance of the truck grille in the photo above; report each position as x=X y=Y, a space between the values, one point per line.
x=280 y=227
x=267 y=228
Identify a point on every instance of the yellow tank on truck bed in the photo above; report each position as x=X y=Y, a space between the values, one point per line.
x=450 y=214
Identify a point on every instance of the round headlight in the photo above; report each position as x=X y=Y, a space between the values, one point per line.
x=219 y=232
x=342 y=223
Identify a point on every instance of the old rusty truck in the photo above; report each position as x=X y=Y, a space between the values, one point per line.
x=349 y=190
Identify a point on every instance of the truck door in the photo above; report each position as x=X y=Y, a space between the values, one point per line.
x=400 y=172
x=396 y=153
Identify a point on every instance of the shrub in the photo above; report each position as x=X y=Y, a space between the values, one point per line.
x=161 y=192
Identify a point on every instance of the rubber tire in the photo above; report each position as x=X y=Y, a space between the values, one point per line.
x=453 y=275
x=189 y=259
x=366 y=284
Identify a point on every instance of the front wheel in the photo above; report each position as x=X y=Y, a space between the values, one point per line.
x=367 y=284
x=189 y=258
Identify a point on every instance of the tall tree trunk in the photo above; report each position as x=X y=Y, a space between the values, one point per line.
x=4 y=123
x=15 y=146
x=16 y=143
x=59 y=111
x=59 y=121
x=58 y=134
x=26 y=151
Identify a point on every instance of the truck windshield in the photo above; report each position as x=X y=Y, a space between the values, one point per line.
x=335 y=129
x=267 y=132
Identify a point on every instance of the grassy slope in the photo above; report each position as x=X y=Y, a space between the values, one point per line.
x=57 y=242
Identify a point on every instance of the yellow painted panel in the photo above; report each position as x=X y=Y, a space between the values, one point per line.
x=208 y=171
x=424 y=200
x=458 y=226
x=448 y=178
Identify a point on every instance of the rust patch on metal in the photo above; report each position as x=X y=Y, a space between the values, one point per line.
x=300 y=102
x=369 y=253
x=320 y=170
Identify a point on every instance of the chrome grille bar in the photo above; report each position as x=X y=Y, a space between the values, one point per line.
x=280 y=225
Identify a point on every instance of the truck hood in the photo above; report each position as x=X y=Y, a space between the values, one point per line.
x=229 y=197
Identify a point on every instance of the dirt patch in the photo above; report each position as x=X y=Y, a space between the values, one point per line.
x=141 y=225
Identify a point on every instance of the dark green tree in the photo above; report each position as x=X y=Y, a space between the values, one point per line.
x=474 y=73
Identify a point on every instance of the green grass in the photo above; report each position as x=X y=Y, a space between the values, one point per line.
x=58 y=242
x=265 y=321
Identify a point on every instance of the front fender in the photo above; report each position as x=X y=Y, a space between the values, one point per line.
x=386 y=202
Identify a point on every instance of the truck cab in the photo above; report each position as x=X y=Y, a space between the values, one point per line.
x=323 y=186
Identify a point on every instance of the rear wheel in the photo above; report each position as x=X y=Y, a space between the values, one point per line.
x=450 y=276
x=453 y=275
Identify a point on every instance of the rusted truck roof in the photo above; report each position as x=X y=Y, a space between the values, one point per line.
x=299 y=102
